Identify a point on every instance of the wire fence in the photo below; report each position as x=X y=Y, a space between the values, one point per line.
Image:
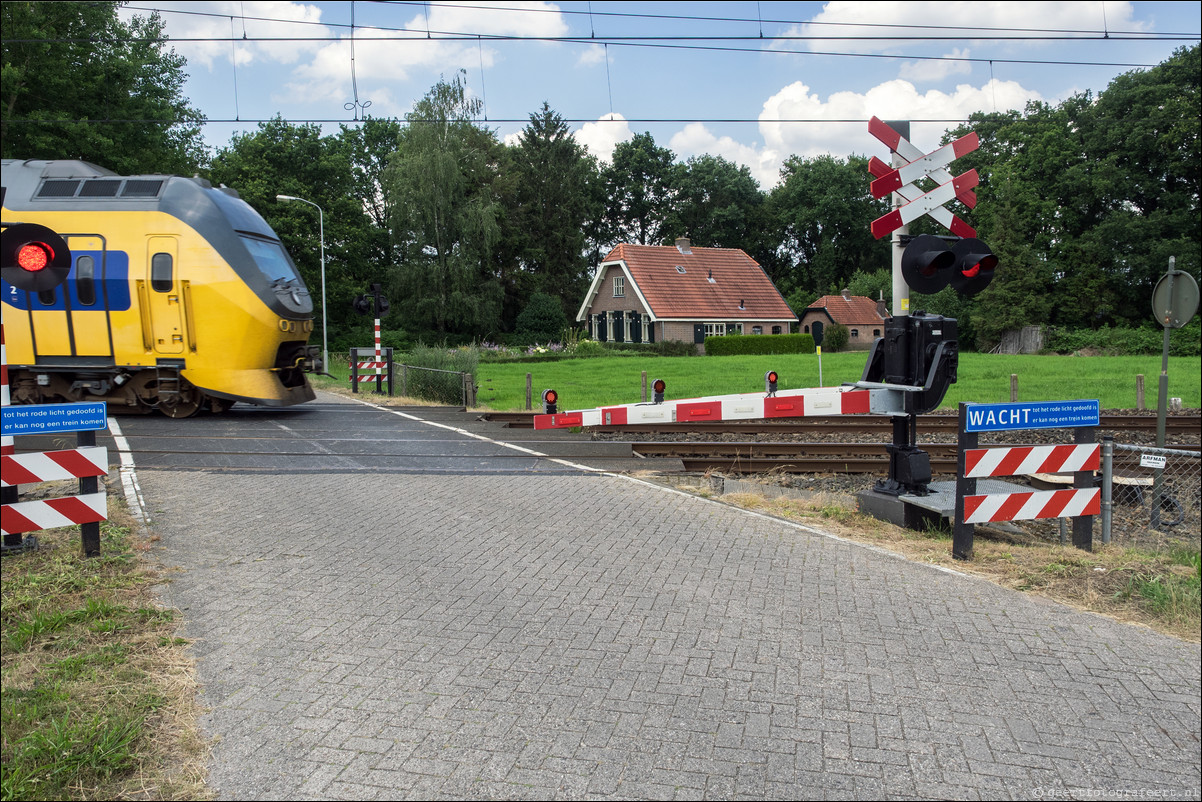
x=434 y=384
x=1156 y=496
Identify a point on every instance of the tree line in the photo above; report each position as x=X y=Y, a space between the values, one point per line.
x=1084 y=200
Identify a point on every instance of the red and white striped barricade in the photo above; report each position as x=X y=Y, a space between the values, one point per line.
x=377 y=368
x=849 y=400
x=1082 y=459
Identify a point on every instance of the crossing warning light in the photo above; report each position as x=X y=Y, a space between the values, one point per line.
x=550 y=399
x=770 y=382
x=35 y=258
x=928 y=265
x=657 y=390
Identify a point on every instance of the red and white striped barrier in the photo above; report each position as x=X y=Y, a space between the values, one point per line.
x=28 y=516
x=1025 y=460
x=51 y=466
x=1035 y=504
x=744 y=406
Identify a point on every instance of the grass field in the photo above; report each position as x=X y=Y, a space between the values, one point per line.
x=983 y=378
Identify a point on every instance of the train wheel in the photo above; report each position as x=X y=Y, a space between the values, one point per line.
x=184 y=405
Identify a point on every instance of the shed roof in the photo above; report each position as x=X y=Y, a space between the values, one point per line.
x=853 y=310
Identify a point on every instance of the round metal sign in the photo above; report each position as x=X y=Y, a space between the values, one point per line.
x=1175 y=299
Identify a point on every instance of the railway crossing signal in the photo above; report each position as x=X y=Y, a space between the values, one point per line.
x=928 y=265
x=35 y=258
x=657 y=391
x=921 y=165
x=550 y=399
x=770 y=382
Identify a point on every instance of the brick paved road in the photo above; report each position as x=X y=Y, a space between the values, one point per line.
x=409 y=636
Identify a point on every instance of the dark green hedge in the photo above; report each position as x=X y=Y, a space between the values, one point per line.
x=759 y=344
x=1126 y=341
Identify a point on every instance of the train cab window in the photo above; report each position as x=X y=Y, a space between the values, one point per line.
x=161 y=272
x=85 y=280
x=271 y=259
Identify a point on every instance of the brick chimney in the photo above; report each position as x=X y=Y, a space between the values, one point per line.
x=682 y=245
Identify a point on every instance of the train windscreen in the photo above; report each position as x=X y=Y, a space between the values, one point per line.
x=272 y=260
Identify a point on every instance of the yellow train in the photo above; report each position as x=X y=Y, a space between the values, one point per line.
x=180 y=297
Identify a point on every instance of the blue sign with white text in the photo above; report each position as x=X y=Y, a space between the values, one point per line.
x=1037 y=415
x=53 y=418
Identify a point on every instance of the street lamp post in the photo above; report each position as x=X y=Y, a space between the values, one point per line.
x=321 y=225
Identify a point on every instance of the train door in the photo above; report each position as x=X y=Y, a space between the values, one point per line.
x=161 y=296
x=87 y=298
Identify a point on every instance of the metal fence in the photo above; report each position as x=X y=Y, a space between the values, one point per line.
x=433 y=384
x=1154 y=495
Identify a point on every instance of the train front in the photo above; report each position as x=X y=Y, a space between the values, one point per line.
x=254 y=314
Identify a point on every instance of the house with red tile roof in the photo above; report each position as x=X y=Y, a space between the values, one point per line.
x=861 y=315
x=650 y=293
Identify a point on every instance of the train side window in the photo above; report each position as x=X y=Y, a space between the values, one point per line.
x=47 y=297
x=160 y=272
x=85 y=280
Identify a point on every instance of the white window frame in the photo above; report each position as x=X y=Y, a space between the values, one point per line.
x=619 y=286
x=715 y=329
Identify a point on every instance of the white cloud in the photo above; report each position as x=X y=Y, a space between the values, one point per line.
x=893 y=100
x=592 y=55
x=604 y=135
x=696 y=139
x=930 y=70
x=255 y=19
x=866 y=22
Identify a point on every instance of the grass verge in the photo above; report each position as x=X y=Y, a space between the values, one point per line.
x=97 y=696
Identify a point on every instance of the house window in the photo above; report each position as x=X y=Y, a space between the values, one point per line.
x=619 y=286
x=646 y=319
x=876 y=332
x=807 y=329
x=776 y=329
x=855 y=334
x=757 y=329
x=715 y=329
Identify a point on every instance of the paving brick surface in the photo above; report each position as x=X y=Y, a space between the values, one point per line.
x=404 y=636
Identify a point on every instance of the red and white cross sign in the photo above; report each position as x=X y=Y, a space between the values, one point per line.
x=921 y=165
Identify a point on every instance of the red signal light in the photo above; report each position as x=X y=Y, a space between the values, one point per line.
x=34 y=256
x=550 y=398
x=770 y=382
x=657 y=389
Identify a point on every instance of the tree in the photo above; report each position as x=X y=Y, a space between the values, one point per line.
x=555 y=197
x=285 y=159
x=823 y=211
x=1089 y=198
x=640 y=189
x=77 y=83
x=542 y=320
x=367 y=148
x=445 y=215
x=717 y=205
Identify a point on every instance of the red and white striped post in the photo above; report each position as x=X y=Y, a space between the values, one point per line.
x=8 y=495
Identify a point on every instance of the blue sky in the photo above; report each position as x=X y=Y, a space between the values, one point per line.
x=753 y=82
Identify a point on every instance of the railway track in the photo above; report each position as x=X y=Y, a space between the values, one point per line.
x=844 y=448
x=1176 y=425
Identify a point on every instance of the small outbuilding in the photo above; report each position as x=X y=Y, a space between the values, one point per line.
x=863 y=317
x=651 y=293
